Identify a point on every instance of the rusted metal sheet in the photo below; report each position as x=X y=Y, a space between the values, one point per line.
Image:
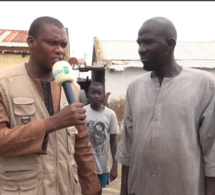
x=13 y=36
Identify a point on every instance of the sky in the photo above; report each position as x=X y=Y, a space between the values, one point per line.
x=111 y=20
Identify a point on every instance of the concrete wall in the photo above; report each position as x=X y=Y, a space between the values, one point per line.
x=116 y=82
x=12 y=59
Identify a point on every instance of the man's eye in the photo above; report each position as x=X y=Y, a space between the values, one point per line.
x=52 y=42
x=63 y=45
x=149 y=41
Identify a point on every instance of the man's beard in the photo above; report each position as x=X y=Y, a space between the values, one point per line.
x=148 y=66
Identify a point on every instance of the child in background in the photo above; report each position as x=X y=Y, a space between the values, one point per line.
x=102 y=127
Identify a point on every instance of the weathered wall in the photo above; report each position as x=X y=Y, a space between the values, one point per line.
x=12 y=59
x=116 y=83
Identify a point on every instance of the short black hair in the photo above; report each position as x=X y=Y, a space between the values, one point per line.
x=95 y=84
x=38 y=23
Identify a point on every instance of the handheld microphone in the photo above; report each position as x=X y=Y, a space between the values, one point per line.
x=63 y=75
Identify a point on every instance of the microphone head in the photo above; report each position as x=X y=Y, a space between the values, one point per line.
x=62 y=72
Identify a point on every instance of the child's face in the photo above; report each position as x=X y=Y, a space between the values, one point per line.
x=96 y=95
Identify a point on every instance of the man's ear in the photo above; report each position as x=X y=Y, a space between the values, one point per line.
x=30 y=41
x=171 y=44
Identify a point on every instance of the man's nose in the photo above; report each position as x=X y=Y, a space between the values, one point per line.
x=60 y=49
x=142 y=48
x=96 y=95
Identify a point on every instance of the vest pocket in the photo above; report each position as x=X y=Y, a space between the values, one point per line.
x=27 y=188
x=71 y=131
x=24 y=109
x=74 y=181
x=74 y=169
x=23 y=181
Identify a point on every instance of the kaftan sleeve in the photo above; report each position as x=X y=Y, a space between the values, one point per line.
x=85 y=160
x=123 y=154
x=207 y=133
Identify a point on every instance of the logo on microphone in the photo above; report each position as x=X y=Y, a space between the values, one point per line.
x=62 y=72
x=66 y=70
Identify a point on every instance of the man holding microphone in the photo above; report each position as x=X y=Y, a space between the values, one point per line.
x=43 y=140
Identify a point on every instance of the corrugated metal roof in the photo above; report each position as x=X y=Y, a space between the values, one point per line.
x=122 y=65
x=120 y=50
x=3 y=44
x=17 y=36
x=13 y=38
x=195 y=50
x=191 y=54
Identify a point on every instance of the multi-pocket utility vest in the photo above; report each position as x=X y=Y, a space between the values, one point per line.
x=54 y=173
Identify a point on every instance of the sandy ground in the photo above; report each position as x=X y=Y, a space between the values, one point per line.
x=114 y=187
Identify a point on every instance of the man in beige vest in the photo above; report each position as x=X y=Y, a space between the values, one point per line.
x=44 y=146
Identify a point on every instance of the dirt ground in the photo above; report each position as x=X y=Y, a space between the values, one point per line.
x=114 y=187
